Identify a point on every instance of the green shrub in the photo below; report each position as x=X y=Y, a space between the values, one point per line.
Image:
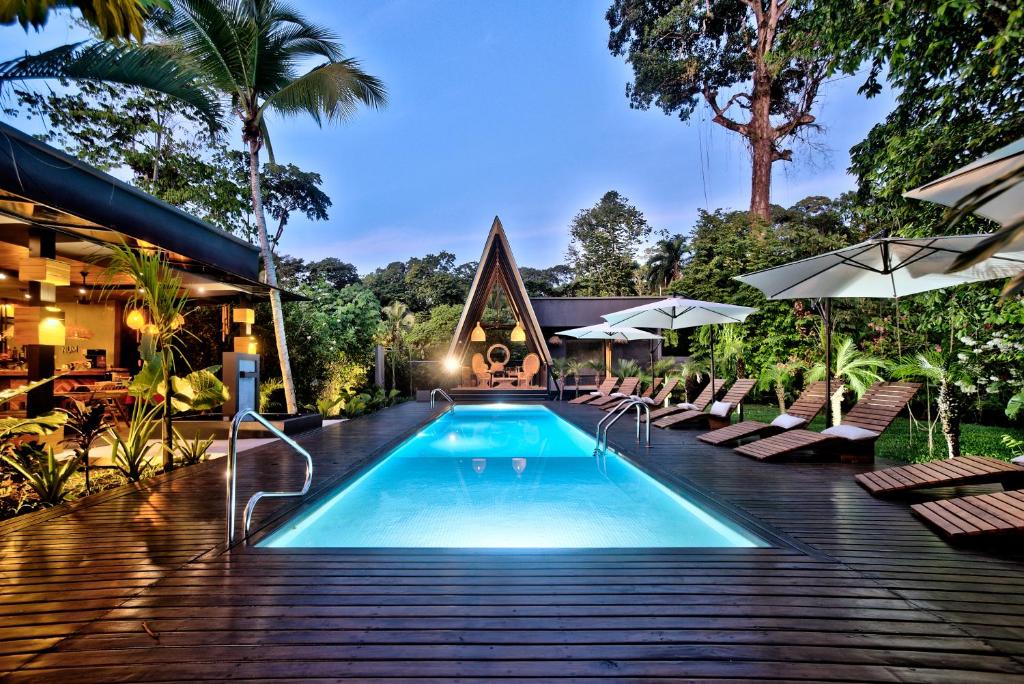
x=47 y=476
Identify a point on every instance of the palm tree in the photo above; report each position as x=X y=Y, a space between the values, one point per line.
x=778 y=377
x=665 y=261
x=944 y=370
x=559 y=369
x=397 y=323
x=249 y=53
x=626 y=368
x=853 y=368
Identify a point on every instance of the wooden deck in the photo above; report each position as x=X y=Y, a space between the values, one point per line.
x=860 y=591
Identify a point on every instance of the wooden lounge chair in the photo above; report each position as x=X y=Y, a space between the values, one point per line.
x=606 y=388
x=996 y=513
x=948 y=472
x=705 y=397
x=626 y=389
x=656 y=400
x=719 y=413
x=649 y=390
x=854 y=439
x=970 y=516
x=801 y=413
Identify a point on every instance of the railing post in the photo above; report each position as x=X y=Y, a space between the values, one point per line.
x=232 y=472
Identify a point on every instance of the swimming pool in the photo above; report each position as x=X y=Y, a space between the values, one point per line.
x=506 y=476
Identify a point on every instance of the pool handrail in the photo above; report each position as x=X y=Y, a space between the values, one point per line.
x=440 y=390
x=232 y=471
x=612 y=416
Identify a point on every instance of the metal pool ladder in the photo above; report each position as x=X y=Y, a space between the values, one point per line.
x=232 y=471
x=438 y=390
x=601 y=435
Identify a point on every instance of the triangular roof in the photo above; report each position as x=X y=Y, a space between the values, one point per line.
x=498 y=267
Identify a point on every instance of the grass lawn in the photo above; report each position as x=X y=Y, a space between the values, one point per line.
x=899 y=444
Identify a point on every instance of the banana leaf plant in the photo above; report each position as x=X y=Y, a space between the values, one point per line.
x=13 y=426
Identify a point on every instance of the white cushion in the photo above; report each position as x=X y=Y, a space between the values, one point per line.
x=720 y=409
x=788 y=422
x=851 y=432
x=1019 y=460
x=688 y=406
x=647 y=400
x=597 y=394
x=618 y=394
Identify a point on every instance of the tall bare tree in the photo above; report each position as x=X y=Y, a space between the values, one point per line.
x=736 y=56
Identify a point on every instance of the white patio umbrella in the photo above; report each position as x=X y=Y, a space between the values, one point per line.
x=993 y=187
x=1004 y=209
x=608 y=333
x=880 y=268
x=675 y=313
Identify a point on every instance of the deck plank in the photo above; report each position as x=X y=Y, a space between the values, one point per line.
x=856 y=589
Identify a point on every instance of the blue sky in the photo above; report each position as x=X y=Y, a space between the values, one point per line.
x=515 y=109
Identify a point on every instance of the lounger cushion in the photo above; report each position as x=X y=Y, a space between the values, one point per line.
x=720 y=409
x=788 y=422
x=597 y=394
x=648 y=400
x=1019 y=460
x=851 y=432
x=618 y=394
x=688 y=406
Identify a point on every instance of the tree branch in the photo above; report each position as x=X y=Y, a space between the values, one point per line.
x=720 y=118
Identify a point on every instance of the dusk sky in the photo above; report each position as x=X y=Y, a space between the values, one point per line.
x=515 y=109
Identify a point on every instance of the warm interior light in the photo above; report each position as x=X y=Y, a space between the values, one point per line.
x=245 y=345
x=451 y=365
x=7 y=310
x=518 y=334
x=478 y=334
x=135 y=319
x=241 y=314
x=51 y=327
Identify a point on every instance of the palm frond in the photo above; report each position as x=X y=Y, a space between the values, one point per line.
x=219 y=45
x=147 y=66
x=332 y=90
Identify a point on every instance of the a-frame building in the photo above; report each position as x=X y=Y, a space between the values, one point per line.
x=497 y=268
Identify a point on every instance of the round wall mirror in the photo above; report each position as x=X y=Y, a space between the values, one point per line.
x=503 y=354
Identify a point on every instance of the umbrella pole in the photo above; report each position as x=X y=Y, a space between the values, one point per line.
x=712 y=337
x=826 y=313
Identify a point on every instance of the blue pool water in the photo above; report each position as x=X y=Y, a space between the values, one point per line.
x=502 y=476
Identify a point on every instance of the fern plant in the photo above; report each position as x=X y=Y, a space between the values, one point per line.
x=267 y=389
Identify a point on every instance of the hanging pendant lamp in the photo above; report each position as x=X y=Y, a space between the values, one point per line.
x=478 y=334
x=518 y=334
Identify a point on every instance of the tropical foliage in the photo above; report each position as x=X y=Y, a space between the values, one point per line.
x=604 y=241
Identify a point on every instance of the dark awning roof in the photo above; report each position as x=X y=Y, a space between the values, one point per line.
x=34 y=170
x=576 y=312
